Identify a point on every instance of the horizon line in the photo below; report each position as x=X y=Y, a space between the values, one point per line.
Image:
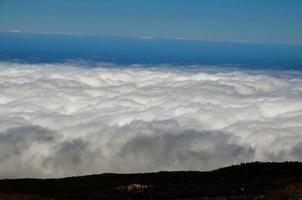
x=149 y=37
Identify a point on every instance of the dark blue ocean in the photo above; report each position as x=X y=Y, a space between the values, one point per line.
x=51 y=48
x=78 y=105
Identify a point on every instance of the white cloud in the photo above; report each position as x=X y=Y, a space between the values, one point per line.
x=146 y=37
x=62 y=120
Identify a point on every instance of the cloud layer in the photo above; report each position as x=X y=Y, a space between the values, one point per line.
x=63 y=120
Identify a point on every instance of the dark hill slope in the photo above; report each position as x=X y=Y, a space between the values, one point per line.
x=245 y=181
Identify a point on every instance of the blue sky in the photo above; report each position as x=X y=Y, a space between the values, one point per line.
x=264 y=21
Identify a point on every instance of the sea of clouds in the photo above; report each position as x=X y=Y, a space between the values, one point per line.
x=62 y=119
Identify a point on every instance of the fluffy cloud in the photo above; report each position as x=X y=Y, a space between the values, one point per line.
x=66 y=119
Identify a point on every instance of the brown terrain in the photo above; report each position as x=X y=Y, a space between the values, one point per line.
x=272 y=181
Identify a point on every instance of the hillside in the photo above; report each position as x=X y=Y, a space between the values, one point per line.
x=245 y=181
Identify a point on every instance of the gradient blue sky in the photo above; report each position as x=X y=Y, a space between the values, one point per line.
x=268 y=21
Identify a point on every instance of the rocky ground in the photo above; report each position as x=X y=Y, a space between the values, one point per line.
x=247 y=181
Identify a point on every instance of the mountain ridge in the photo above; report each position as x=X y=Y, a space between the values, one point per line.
x=256 y=180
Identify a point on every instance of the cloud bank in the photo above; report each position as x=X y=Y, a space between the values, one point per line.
x=63 y=120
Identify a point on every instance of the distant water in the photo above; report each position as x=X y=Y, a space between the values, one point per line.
x=46 y=48
x=78 y=105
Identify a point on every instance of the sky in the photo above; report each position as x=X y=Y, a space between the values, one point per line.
x=259 y=21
